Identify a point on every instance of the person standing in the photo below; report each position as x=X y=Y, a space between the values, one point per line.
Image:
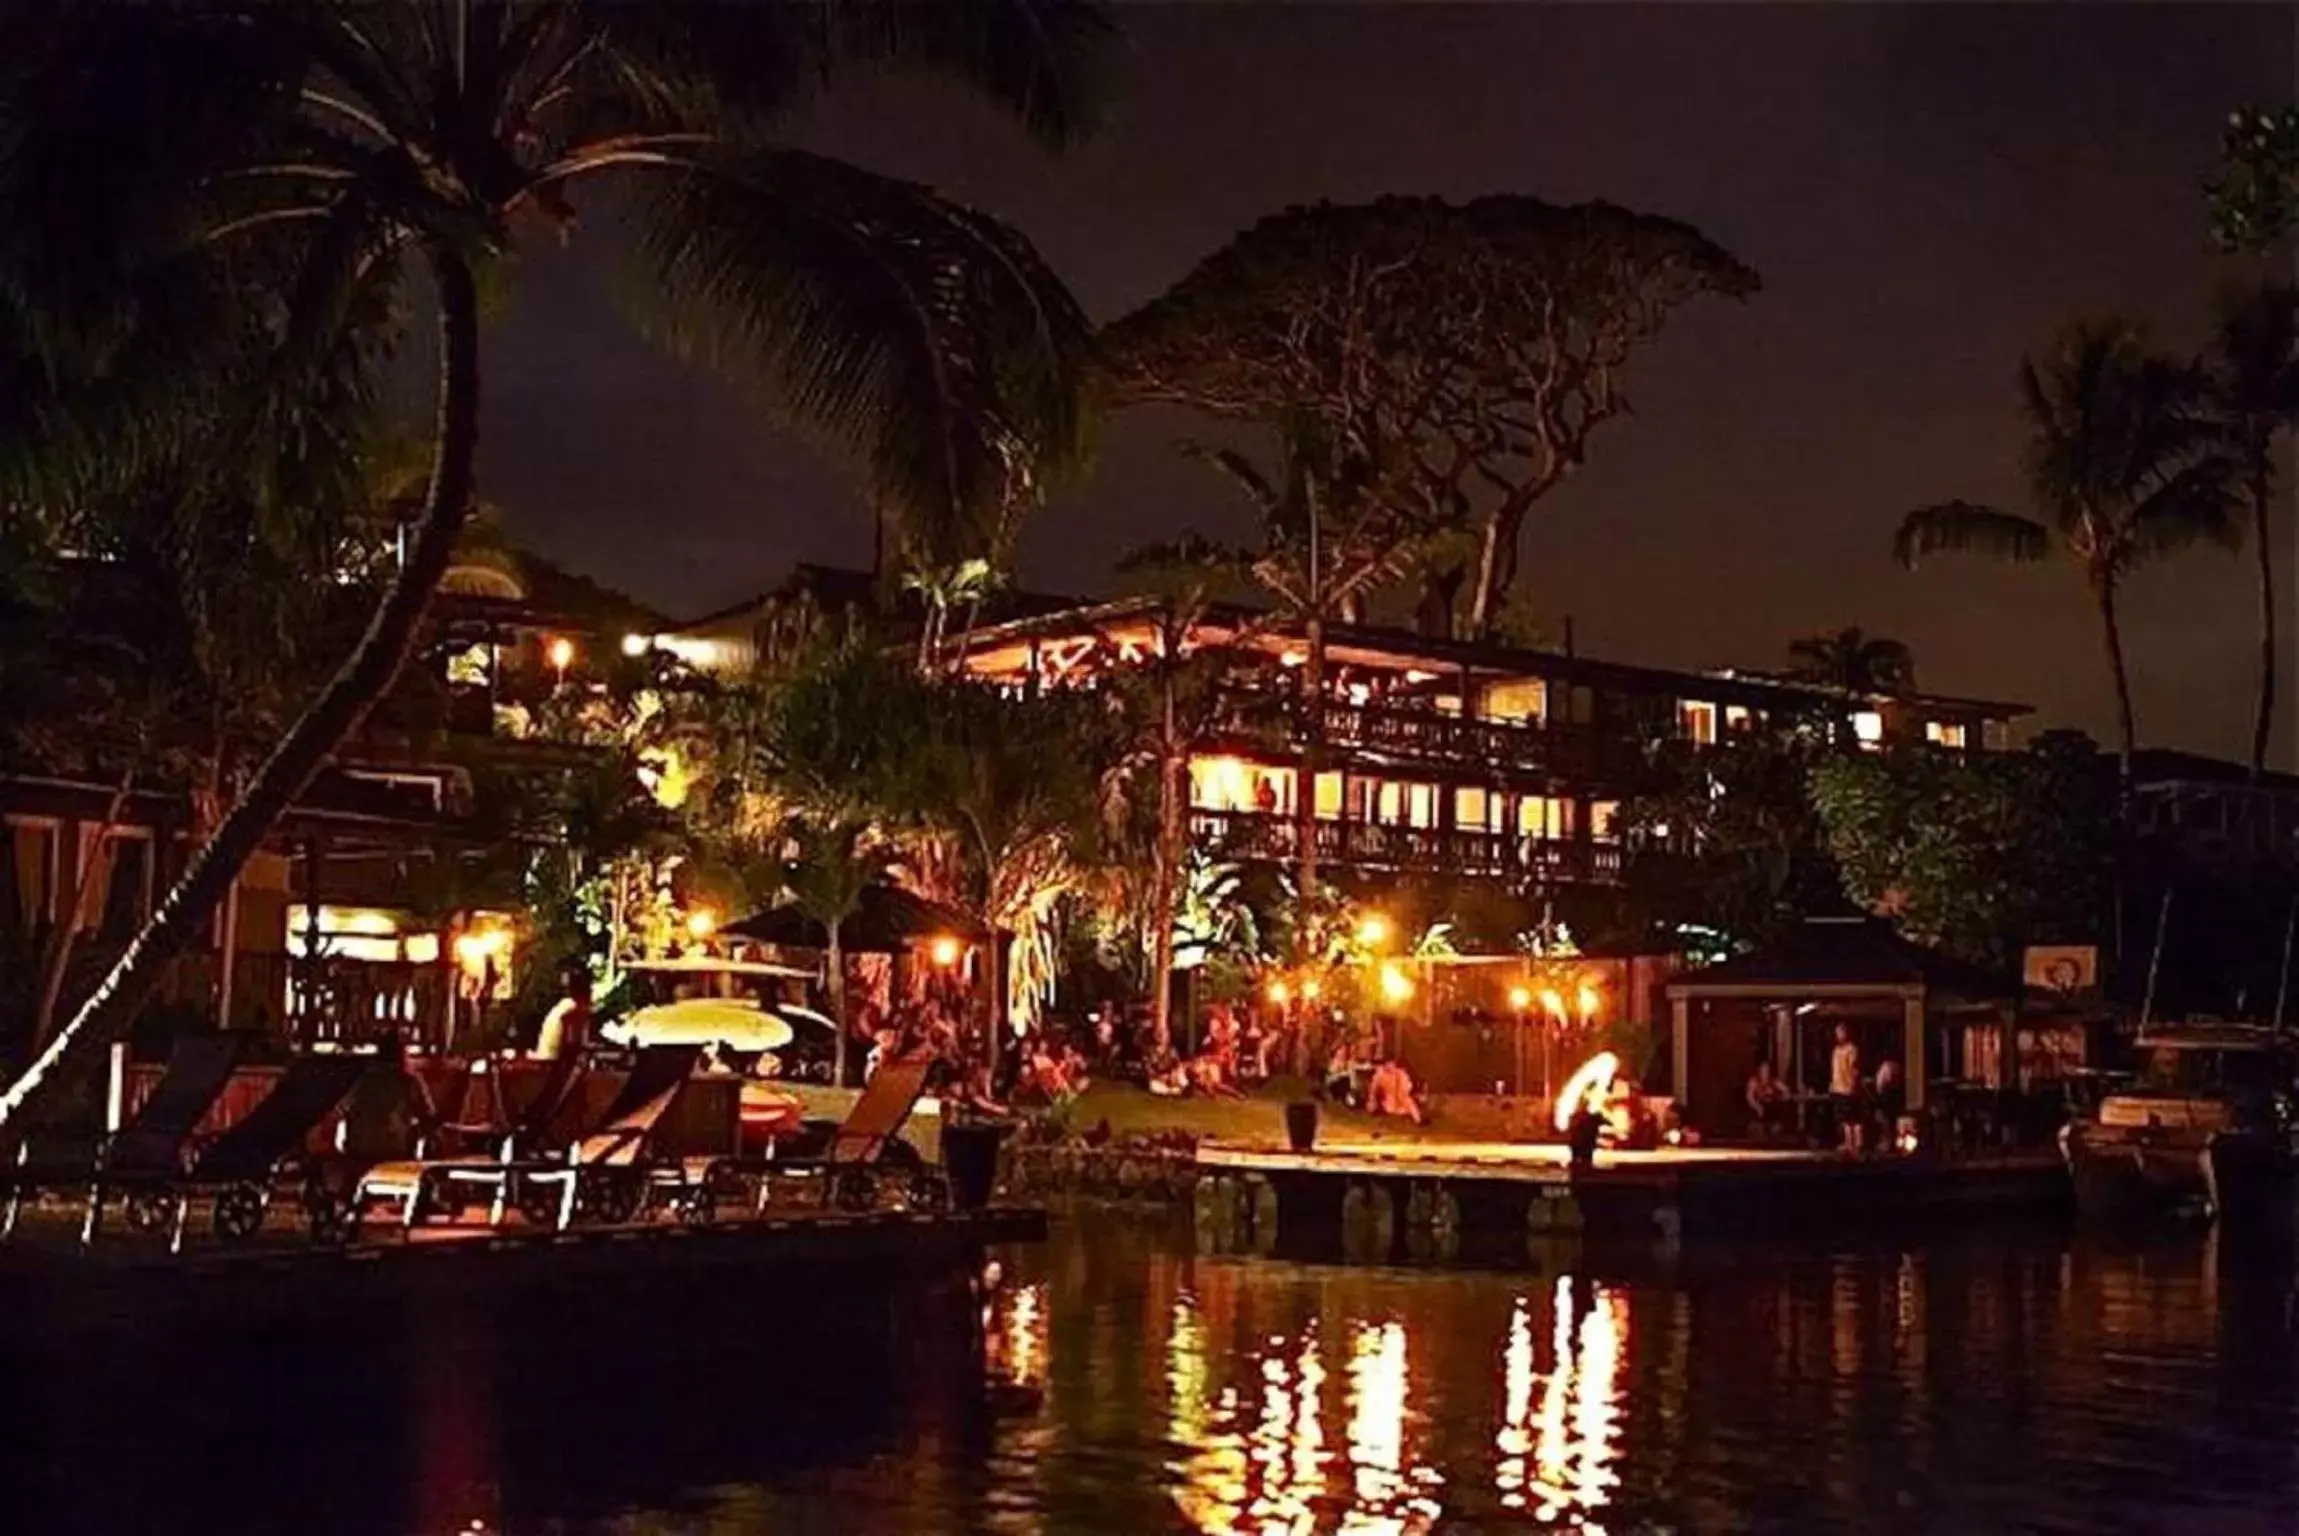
x=1844 y=1090
x=566 y=1028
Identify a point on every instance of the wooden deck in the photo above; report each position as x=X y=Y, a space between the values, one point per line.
x=1387 y=1200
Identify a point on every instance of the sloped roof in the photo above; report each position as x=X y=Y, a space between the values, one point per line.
x=1840 y=952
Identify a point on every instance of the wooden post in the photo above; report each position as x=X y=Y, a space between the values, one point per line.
x=1915 y=1064
x=1680 y=1049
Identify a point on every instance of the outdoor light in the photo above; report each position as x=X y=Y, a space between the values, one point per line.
x=1588 y=1002
x=701 y=923
x=562 y=653
x=1554 y=1002
x=1280 y=993
x=1373 y=930
x=475 y=947
x=1520 y=998
x=944 y=951
x=634 y=645
x=1310 y=989
x=1396 y=986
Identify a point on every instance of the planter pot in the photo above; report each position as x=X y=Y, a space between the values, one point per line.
x=970 y=1158
x=1301 y=1125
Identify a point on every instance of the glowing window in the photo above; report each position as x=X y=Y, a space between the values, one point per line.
x=1868 y=727
x=1698 y=720
x=1943 y=734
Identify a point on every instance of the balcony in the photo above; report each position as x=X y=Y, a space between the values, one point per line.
x=1271 y=721
x=1358 y=845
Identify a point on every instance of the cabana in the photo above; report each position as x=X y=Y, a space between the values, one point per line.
x=1782 y=1003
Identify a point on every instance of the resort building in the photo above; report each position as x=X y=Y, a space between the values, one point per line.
x=1440 y=757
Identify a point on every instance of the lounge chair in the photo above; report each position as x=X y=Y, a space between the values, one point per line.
x=546 y=1188
x=616 y=1171
x=244 y=1166
x=154 y=1139
x=419 y=1183
x=849 y=1168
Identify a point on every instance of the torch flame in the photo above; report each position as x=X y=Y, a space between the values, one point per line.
x=1590 y=1079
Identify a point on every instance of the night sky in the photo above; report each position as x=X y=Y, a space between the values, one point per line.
x=1927 y=190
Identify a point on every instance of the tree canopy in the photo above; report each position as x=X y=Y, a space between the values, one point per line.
x=1465 y=352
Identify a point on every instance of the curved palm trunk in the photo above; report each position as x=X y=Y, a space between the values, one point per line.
x=2263 y=726
x=2112 y=630
x=191 y=905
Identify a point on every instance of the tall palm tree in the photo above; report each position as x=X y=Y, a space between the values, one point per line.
x=336 y=149
x=1328 y=541
x=2255 y=384
x=2122 y=463
x=1853 y=659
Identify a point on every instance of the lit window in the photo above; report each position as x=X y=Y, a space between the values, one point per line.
x=1738 y=717
x=1522 y=699
x=1476 y=808
x=472 y=666
x=1329 y=796
x=1220 y=784
x=1698 y=721
x=1868 y=726
x=1421 y=805
x=1942 y=734
x=1544 y=816
x=1604 y=820
x=1389 y=803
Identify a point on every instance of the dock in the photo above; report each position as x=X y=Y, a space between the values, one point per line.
x=1386 y=1200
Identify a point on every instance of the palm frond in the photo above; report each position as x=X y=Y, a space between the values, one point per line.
x=1964 y=528
x=2198 y=504
x=1241 y=471
x=928 y=338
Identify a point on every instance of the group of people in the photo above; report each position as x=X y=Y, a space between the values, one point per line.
x=1863 y=1107
x=1359 y=1074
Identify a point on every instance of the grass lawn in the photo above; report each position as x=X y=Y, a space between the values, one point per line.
x=1260 y=1117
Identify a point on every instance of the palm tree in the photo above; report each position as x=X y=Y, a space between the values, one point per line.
x=1328 y=540
x=2122 y=462
x=2255 y=382
x=1854 y=660
x=826 y=868
x=333 y=150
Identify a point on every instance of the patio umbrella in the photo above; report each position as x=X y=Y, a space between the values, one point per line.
x=739 y=1026
x=887 y=920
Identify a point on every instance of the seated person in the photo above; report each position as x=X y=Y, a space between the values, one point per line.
x=1767 y=1100
x=1341 y=1073
x=1628 y=1119
x=1208 y=1076
x=1391 y=1092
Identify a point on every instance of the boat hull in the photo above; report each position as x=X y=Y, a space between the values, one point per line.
x=2235 y=1179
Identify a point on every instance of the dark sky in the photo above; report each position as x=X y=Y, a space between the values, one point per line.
x=1928 y=191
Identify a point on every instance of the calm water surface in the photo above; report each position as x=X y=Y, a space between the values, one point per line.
x=1978 y=1382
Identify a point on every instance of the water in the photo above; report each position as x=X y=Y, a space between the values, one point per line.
x=1980 y=1382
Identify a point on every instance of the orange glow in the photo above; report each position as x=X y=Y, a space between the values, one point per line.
x=944 y=951
x=1280 y=993
x=1520 y=998
x=1554 y=1002
x=1586 y=1086
x=1310 y=990
x=1588 y=1002
x=702 y=922
x=476 y=947
x=1396 y=986
x=562 y=653
x=1373 y=930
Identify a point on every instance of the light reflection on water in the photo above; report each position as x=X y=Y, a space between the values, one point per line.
x=1978 y=1381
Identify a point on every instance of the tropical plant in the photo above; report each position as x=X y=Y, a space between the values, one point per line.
x=826 y=867
x=1853 y=659
x=1327 y=540
x=333 y=151
x=1981 y=853
x=2123 y=462
x=2255 y=389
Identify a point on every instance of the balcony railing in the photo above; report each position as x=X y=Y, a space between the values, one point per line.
x=1258 y=835
x=1274 y=721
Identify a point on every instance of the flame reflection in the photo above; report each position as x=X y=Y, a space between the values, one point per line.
x=1261 y=1459
x=1572 y=1441
x=1017 y=1335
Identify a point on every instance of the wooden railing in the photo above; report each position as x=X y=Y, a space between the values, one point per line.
x=1274 y=720
x=1256 y=835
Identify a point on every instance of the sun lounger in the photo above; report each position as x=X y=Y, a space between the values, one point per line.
x=849 y=1169
x=617 y=1151
x=418 y=1184
x=615 y=1171
x=154 y=1139
x=244 y=1166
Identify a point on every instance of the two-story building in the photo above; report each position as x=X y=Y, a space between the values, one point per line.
x=1442 y=757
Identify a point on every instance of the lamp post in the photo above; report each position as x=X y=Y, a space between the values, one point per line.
x=1520 y=999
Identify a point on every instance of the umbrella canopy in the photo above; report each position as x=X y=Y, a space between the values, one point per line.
x=887 y=920
x=739 y=1026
